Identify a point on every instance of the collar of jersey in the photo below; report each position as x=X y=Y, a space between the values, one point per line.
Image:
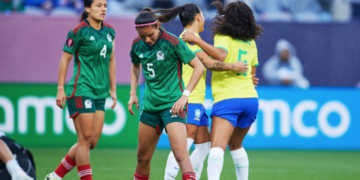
x=101 y=28
x=157 y=41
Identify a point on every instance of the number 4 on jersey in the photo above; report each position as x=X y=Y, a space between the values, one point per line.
x=103 y=51
x=239 y=59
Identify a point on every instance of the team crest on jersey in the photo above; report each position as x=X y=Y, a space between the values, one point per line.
x=69 y=42
x=191 y=43
x=88 y=104
x=109 y=38
x=197 y=114
x=160 y=55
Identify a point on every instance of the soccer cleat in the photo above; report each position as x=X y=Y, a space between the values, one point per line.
x=51 y=177
x=20 y=175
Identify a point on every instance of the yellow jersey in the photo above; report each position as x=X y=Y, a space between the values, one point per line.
x=229 y=84
x=198 y=94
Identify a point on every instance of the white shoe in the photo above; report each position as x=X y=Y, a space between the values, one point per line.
x=20 y=175
x=51 y=177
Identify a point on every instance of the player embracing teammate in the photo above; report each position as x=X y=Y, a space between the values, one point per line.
x=235 y=98
x=192 y=19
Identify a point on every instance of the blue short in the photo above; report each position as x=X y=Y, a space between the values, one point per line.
x=240 y=112
x=197 y=115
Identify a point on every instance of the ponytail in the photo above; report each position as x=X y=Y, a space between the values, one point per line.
x=84 y=15
x=186 y=12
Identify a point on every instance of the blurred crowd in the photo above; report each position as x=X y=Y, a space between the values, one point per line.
x=265 y=10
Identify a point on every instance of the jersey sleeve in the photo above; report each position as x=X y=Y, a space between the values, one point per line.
x=221 y=42
x=73 y=41
x=194 y=47
x=184 y=52
x=134 y=58
x=255 y=61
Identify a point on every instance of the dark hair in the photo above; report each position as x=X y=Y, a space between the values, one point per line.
x=147 y=15
x=84 y=14
x=186 y=13
x=236 y=20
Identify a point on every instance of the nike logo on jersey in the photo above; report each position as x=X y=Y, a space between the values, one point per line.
x=141 y=55
x=92 y=38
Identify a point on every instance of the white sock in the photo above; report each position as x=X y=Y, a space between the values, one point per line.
x=241 y=162
x=215 y=163
x=172 y=167
x=198 y=157
x=12 y=166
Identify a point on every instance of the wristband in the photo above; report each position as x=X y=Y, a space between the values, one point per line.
x=186 y=93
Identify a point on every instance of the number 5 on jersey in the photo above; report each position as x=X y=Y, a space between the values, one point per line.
x=103 y=51
x=239 y=59
x=152 y=73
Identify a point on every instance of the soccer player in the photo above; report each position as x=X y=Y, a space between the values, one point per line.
x=235 y=97
x=161 y=55
x=92 y=44
x=192 y=18
x=13 y=167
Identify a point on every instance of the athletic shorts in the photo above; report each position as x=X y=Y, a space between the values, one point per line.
x=23 y=157
x=160 y=119
x=197 y=115
x=83 y=104
x=240 y=112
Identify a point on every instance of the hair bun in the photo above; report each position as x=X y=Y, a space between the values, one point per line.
x=147 y=9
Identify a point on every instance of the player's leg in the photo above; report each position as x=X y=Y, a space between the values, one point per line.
x=148 y=137
x=202 y=145
x=172 y=167
x=193 y=122
x=150 y=128
x=224 y=118
x=221 y=130
x=244 y=123
x=99 y=120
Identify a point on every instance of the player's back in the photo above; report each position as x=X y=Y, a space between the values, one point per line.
x=228 y=84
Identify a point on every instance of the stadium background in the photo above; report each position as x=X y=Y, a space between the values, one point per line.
x=299 y=134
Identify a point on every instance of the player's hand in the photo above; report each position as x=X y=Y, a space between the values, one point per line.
x=241 y=67
x=114 y=98
x=20 y=175
x=178 y=107
x=189 y=36
x=255 y=80
x=60 y=98
x=133 y=99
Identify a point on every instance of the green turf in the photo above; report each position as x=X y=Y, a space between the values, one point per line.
x=264 y=165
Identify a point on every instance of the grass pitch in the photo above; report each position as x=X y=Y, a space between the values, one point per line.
x=264 y=165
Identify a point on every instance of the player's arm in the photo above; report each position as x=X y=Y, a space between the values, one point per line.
x=135 y=75
x=112 y=76
x=216 y=65
x=216 y=53
x=63 y=67
x=195 y=77
x=254 y=79
x=12 y=165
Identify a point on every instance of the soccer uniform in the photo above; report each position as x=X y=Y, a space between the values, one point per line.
x=23 y=157
x=89 y=85
x=162 y=68
x=235 y=97
x=196 y=111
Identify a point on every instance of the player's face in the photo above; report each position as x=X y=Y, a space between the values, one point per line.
x=285 y=56
x=149 y=34
x=98 y=10
x=201 y=22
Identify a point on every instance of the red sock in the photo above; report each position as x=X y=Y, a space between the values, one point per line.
x=189 y=176
x=138 y=176
x=85 y=172
x=66 y=165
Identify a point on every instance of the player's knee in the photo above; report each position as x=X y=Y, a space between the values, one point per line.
x=88 y=140
x=142 y=158
x=180 y=155
x=235 y=145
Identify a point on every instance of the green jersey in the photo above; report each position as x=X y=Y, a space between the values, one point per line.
x=162 y=68
x=92 y=50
